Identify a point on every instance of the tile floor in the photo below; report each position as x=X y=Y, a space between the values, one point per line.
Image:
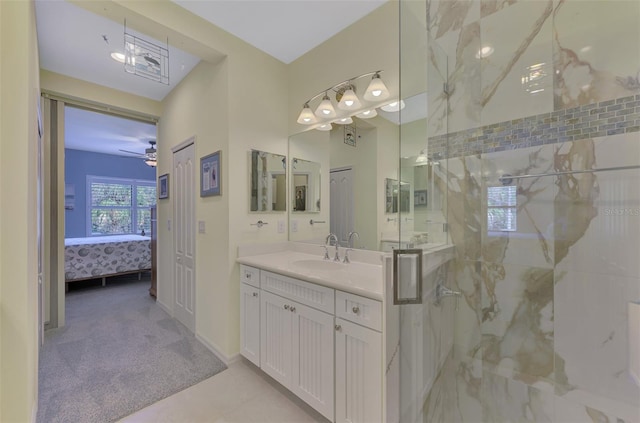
x=240 y=394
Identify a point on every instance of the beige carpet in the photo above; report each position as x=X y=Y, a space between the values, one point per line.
x=118 y=353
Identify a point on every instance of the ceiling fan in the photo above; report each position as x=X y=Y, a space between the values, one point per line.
x=149 y=154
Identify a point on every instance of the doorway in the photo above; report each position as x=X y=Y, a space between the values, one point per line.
x=341 y=197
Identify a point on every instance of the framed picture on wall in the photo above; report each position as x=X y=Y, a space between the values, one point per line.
x=420 y=197
x=163 y=186
x=210 y=177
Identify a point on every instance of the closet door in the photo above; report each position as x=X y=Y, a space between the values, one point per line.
x=183 y=189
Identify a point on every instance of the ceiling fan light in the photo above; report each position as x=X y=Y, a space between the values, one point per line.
x=151 y=163
x=367 y=114
x=306 y=116
x=349 y=100
x=325 y=127
x=325 y=108
x=376 y=90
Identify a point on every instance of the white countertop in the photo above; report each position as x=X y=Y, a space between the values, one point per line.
x=360 y=278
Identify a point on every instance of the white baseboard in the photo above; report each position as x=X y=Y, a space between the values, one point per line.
x=227 y=360
x=165 y=307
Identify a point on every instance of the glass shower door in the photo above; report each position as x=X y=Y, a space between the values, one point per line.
x=426 y=326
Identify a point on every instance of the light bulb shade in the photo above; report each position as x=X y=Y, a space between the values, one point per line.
x=306 y=116
x=394 y=106
x=367 y=114
x=151 y=163
x=325 y=108
x=349 y=101
x=344 y=121
x=325 y=127
x=376 y=91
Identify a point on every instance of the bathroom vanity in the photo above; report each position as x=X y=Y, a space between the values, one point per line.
x=318 y=326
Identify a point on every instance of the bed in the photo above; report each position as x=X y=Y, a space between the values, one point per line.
x=103 y=256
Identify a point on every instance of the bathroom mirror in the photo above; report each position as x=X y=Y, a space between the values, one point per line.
x=356 y=180
x=305 y=186
x=268 y=182
x=396 y=197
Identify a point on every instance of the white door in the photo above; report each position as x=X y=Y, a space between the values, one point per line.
x=358 y=373
x=341 y=198
x=183 y=190
x=313 y=358
x=275 y=337
x=250 y=323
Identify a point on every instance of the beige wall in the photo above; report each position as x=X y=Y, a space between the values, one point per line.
x=72 y=88
x=369 y=44
x=19 y=86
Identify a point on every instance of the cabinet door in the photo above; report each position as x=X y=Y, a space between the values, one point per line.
x=250 y=323
x=358 y=373
x=275 y=337
x=313 y=343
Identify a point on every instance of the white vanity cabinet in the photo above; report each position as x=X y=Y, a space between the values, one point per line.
x=323 y=344
x=250 y=314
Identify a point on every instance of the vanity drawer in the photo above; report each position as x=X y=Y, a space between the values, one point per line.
x=360 y=310
x=309 y=294
x=250 y=275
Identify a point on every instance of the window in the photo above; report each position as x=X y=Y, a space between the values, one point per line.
x=119 y=206
x=502 y=208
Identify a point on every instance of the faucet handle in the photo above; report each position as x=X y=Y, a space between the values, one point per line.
x=346 y=256
x=326 y=252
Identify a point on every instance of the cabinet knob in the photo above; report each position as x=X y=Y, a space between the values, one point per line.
x=355 y=309
x=286 y=306
x=255 y=294
x=293 y=309
x=338 y=327
x=247 y=275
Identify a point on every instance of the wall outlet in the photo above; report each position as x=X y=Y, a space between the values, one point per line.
x=201 y=226
x=280 y=226
x=294 y=225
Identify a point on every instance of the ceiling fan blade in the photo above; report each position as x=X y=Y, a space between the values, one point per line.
x=133 y=152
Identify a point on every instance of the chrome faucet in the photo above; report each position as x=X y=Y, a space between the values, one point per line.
x=328 y=241
x=350 y=246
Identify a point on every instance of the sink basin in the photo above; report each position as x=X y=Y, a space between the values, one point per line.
x=319 y=265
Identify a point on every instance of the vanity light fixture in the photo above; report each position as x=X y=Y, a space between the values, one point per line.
x=325 y=127
x=306 y=116
x=347 y=100
x=376 y=89
x=367 y=114
x=325 y=108
x=344 y=121
x=394 y=106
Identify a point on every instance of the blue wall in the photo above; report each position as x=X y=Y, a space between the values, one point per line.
x=78 y=164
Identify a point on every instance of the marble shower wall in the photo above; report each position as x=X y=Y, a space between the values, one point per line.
x=542 y=332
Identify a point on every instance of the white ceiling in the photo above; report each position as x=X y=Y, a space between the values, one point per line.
x=284 y=29
x=71 y=42
x=103 y=133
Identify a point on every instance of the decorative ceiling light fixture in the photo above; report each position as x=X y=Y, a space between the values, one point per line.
x=145 y=59
x=347 y=101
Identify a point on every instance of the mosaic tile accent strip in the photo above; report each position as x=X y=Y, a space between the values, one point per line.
x=611 y=117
